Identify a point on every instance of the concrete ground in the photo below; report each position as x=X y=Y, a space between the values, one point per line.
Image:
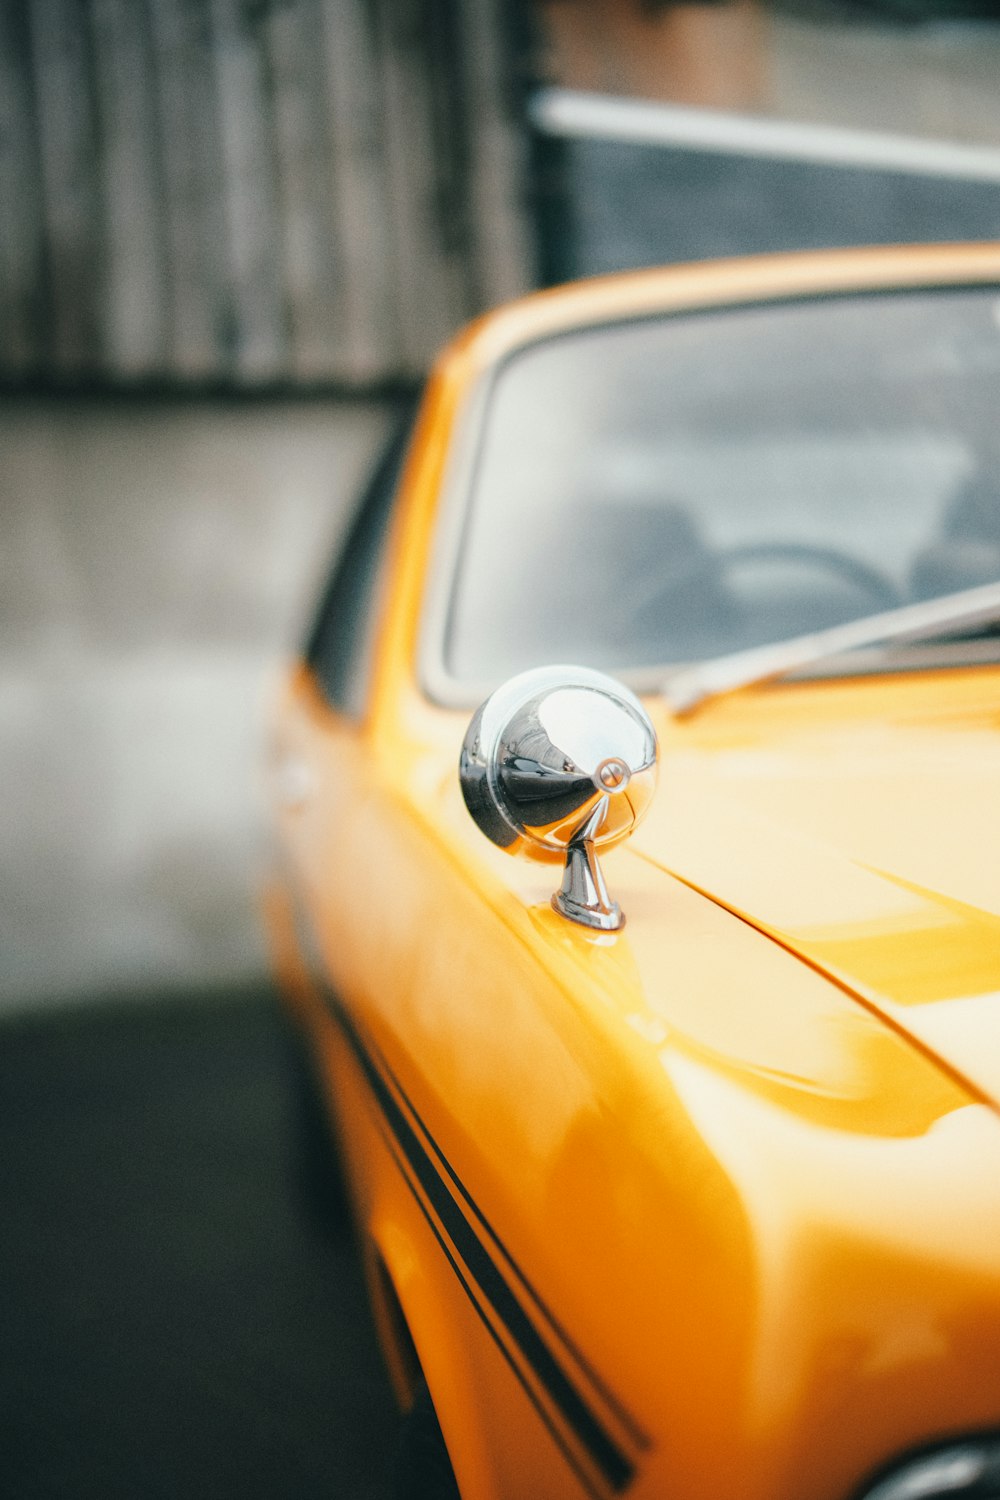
x=158 y=562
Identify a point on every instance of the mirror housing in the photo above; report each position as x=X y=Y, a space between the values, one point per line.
x=558 y=763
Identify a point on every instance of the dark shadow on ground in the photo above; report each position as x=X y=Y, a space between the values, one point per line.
x=173 y=1322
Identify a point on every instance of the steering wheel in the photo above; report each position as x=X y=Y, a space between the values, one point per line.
x=879 y=588
x=714 y=613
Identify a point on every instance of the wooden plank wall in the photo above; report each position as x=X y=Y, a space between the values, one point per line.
x=253 y=193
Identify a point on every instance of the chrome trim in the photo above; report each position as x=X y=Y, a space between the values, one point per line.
x=967 y=1470
x=468 y=426
x=561 y=761
x=583 y=896
x=569 y=113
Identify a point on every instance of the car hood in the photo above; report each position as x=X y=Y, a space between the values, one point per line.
x=858 y=825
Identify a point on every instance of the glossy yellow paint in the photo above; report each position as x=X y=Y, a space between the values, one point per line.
x=743 y=1158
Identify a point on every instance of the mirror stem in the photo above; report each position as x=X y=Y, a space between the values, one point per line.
x=583 y=896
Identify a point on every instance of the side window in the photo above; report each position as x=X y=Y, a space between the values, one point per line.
x=340 y=647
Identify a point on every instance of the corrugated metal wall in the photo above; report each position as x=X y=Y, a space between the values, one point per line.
x=253 y=192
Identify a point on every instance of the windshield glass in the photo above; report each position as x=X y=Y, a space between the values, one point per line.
x=653 y=493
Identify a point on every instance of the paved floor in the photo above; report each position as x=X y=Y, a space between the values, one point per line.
x=158 y=561
x=173 y=1324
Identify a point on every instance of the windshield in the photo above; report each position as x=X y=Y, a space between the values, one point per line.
x=654 y=493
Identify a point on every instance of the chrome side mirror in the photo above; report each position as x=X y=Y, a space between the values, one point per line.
x=558 y=763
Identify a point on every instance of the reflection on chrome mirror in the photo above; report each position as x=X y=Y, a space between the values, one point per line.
x=558 y=763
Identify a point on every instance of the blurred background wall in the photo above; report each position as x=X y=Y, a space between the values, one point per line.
x=232 y=233
x=243 y=192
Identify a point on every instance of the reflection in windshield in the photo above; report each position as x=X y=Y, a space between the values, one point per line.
x=662 y=491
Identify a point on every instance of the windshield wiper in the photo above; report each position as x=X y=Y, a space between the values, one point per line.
x=951 y=614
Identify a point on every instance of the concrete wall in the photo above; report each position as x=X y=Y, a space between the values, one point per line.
x=157 y=564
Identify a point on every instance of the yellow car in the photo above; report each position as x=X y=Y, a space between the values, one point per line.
x=673 y=1141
